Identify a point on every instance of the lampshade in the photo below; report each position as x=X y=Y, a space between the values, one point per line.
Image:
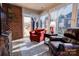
x=53 y=24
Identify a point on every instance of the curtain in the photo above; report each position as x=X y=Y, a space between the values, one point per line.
x=36 y=24
x=33 y=23
x=40 y=23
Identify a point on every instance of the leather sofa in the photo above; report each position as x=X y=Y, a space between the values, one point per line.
x=69 y=47
x=37 y=35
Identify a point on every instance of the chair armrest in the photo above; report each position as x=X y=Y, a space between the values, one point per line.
x=33 y=32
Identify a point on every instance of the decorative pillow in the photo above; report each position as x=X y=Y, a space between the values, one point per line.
x=77 y=34
x=72 y=35
x=69 y=40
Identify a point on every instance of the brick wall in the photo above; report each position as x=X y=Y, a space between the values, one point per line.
x=15 y=25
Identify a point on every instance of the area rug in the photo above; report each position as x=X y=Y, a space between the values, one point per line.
x=28 y=48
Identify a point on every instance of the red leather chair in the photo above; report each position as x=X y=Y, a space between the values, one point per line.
x=37 y=35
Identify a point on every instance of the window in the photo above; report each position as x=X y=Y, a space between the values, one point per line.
x=43 y=21
x=54 y=17
x=62 y=17
x=64 y=20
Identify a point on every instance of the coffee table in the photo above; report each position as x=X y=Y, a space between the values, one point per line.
x=48 y=35
x=57 y=38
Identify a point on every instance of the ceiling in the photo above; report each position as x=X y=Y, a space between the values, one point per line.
x=40 y=7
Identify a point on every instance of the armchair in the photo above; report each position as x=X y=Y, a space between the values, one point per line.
x=37 y=35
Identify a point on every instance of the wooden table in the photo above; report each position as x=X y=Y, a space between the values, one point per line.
x=57 y=38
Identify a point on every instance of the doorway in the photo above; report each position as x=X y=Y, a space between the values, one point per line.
x=26 y=26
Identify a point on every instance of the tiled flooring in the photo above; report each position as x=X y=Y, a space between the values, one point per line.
x=24 y=47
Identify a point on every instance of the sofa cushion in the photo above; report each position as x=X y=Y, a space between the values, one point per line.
x=70 y=33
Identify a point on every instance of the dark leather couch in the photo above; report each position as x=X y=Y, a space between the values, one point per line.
x=69 y=47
